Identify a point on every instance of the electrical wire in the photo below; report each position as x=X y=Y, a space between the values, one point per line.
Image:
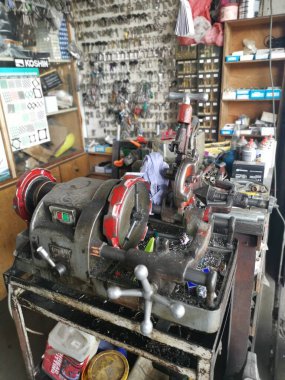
x=277 y=139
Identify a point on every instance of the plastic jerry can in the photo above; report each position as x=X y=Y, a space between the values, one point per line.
x=68 y=352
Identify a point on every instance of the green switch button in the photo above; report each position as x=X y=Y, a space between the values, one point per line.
x=65 y=217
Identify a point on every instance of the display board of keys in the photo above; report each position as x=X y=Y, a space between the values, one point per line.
x=129 y=65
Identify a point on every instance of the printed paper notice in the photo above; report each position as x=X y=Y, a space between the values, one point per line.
x=24 y=110
x=4 y=169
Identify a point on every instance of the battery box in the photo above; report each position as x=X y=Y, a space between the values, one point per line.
x=253 y=171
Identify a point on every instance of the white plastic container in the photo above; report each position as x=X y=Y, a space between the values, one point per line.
x=68 y=352
x=262 y=151
x=272 y=150
x=72 y=342
x=249 y=152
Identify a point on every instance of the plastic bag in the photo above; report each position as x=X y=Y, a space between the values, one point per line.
x=201 y=9
x=202 y=26
x=215 y=36
x=184 y=24
x=204 y=32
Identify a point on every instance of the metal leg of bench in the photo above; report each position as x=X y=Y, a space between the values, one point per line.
x=23 y=336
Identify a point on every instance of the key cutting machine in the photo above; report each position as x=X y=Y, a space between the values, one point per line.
x=84 y=232
x=90 y=235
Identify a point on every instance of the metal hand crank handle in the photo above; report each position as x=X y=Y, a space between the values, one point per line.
x=148 y=292
x=187 y=96
x=165 y=267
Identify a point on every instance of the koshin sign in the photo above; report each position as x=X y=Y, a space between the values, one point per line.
x=29 y=62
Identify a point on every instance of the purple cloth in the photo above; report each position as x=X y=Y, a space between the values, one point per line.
x=152 y=169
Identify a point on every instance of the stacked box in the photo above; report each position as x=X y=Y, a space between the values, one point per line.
x=47 y=41
x=63 y=40
x=200 y=72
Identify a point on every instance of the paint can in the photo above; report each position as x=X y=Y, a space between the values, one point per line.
x=108 y=365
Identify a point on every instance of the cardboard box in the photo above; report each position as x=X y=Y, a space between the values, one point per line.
x=261 y=56
x=99 y=169
x=108 y=169
x=253 y=171
x=227 y=130
x=108 y=149
x=268 y=117
x=257 y=94
x=238 y=53
x=229 y=95
x=232 y=58
x=243 y=93
x=101 y=148
x=51 y=104
x=273 y=94
x=247 y=57
x=278 y=53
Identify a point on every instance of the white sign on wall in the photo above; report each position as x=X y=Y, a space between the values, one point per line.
x=24 y=107
x=4 y=169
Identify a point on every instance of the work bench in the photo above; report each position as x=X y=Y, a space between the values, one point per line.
x=182 y=350
x=195 y=354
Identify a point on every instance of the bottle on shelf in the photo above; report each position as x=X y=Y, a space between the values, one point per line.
x=262 y=151
x=235 y=137
x=272 y=150
x=239 y=147
x=249 y=152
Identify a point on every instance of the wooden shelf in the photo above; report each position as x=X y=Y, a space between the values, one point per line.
x=52 y=61
x=253 y=74
x=60 y=112
x=254 y=61
x=107 y=175
x=99 y=154
x=239 y=23
x=59 y=61
x=195 y=59
x=250 y=100
x=245 y=135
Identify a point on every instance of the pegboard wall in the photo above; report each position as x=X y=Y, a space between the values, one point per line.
x=129 y=65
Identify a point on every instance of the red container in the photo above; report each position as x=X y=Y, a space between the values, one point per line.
x=61 y=367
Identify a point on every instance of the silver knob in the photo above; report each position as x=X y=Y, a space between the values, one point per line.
x=58 y=268
x=148 y=292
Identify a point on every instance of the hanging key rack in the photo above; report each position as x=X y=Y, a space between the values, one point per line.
x=128 y=45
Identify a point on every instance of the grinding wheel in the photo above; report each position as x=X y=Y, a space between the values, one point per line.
x=125 y=224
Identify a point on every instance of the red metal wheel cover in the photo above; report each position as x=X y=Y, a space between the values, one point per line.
x=23 y=184
x=114 y=225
